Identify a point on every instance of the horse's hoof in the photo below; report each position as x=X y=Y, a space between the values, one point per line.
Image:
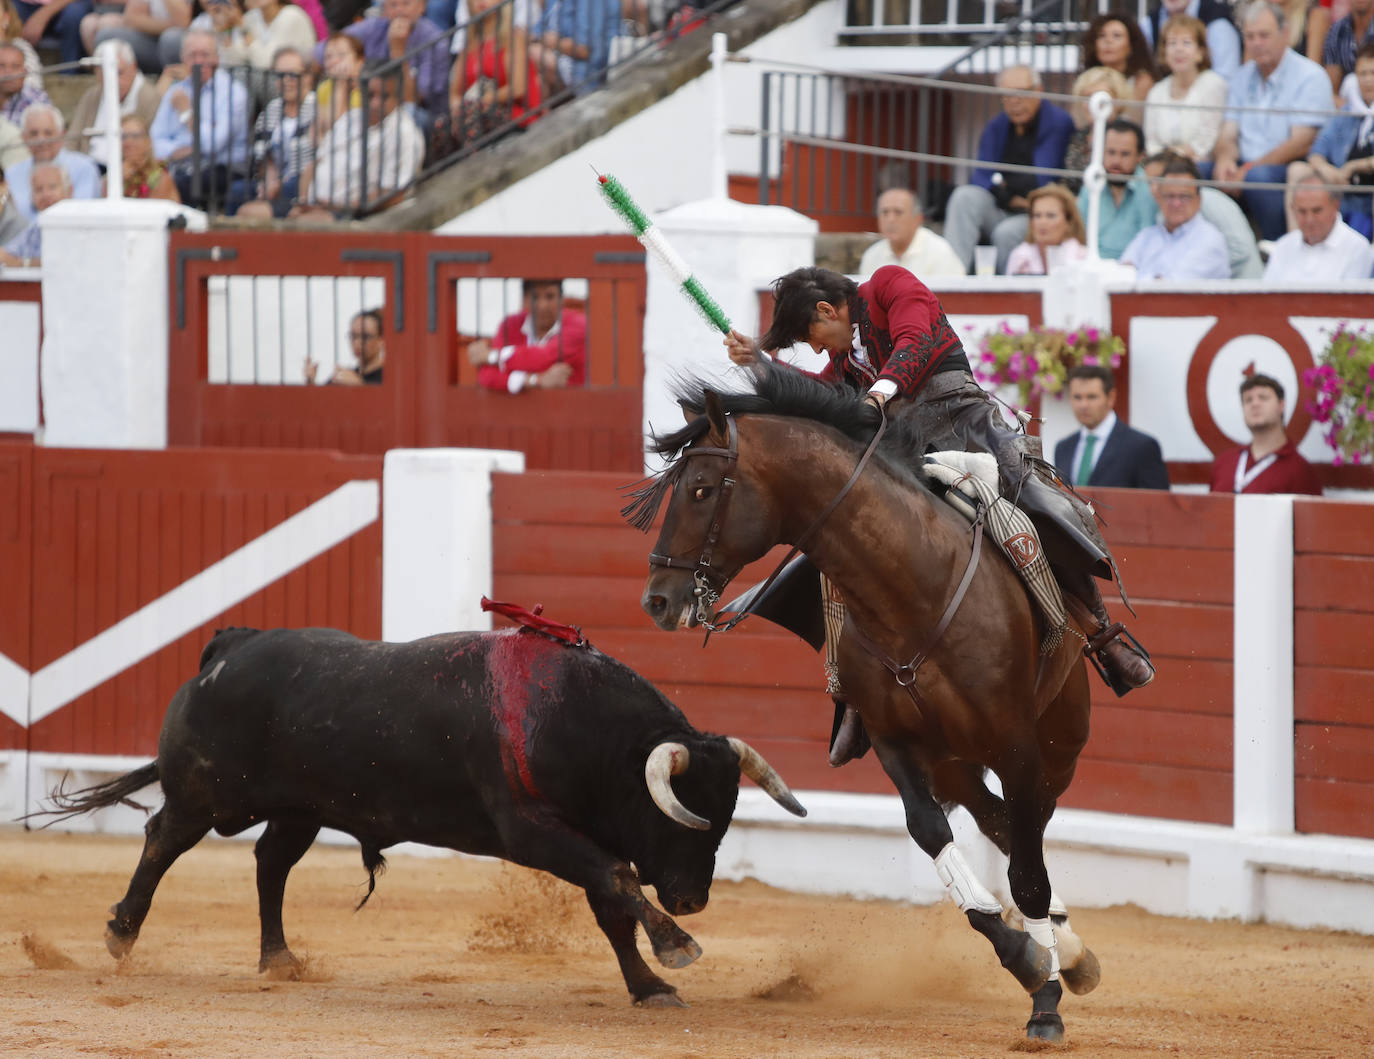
x=669 y=999
x=118 y=944
x=1084 y=975
x=1045 y=1026
x=1032 y=966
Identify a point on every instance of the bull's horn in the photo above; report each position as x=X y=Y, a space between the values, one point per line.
x=752 y=764
x=665 y=760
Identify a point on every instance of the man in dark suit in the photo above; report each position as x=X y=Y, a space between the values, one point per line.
x=1105 y=451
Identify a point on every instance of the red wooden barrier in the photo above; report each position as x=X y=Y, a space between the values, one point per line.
x=1333 y=597
x=16 y=571
x=430 y=396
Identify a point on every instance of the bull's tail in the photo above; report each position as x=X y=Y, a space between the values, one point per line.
x=67 y=804
x=375 y=864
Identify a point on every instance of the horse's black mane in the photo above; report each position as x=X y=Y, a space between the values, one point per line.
x=778 y=391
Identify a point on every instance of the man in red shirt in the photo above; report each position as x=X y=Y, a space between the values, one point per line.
x=1270 y=463
x=890 y=338
x=543 y=347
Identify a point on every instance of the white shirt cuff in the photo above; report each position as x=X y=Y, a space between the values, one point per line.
x=516 y=381
x=886 y=387
x=504 y=354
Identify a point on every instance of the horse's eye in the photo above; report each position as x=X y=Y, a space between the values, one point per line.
x=702 y=492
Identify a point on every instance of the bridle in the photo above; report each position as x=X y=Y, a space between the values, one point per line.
x=708 y=581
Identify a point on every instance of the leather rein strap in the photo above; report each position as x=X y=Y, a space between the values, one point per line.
x=905 y=675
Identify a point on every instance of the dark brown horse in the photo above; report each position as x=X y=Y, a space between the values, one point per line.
x=754 y=470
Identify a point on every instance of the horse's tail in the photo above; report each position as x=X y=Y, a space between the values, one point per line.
x=67 y=804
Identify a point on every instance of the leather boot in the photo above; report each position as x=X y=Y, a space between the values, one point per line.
x=848 y=739
x=1115 y=654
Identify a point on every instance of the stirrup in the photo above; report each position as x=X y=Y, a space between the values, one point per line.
x=1095 y=646
x=1095 y=643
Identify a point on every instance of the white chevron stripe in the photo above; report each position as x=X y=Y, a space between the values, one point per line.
x=283 y=548
x=14 y=691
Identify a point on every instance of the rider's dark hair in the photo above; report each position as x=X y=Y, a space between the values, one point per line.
x=795 y=297
x=1095 y=371
x=1261 y=380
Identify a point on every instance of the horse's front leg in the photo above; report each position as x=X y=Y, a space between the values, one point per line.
x=1020 y=953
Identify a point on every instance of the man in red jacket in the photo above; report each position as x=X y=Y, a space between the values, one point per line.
x=1270 y=463
x=542 y=347
x=889 y=338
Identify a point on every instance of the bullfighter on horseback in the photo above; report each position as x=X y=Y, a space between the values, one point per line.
x=889 y=336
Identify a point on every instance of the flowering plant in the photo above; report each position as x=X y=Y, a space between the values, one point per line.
x=1039 y=360
x=1344 y=383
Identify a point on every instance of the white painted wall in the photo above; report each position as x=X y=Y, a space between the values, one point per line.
x=19 y=395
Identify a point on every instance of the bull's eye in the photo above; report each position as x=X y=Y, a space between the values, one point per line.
x=702 y=492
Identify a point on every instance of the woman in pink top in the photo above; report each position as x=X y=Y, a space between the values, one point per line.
x=1055 y=237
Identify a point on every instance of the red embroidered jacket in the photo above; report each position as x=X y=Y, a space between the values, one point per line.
x=904 y=332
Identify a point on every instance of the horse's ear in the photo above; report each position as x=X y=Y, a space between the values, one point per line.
x=715 y=412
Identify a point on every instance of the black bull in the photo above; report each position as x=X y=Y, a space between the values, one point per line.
x=511 y=744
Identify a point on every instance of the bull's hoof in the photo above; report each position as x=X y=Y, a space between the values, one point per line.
x=679 y=955
x=1045 y=1026
x=1029 y=962
x=1084 y=975
x=280 y=966
x=669 y=999
x=118 y=944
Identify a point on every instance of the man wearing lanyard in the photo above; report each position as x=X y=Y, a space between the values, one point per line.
x=1270 y=463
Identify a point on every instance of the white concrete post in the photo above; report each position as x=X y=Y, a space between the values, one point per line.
x=734 y=249
x=1263 y=682
x=436 y=539
x=105 y=322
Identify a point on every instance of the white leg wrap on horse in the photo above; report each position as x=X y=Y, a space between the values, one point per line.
x=968 y=893
x=1042 y=930
x=1057 y=907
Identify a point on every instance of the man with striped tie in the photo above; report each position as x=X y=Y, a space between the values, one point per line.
x=1105 y=451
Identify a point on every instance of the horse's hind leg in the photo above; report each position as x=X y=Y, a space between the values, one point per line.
x=1018 y=952
x=281 y=846
x=168 y=834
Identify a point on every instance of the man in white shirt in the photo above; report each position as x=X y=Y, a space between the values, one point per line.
x=1184 y=245
x=43 y=135
x=1323 y=247
x=907 y=242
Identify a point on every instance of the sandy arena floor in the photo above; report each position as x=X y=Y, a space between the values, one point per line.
x=454 y=957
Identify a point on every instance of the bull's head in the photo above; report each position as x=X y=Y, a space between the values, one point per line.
x=679 y=860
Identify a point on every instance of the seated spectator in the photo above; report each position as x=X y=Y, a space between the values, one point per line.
x=1115 y=40
x=1079 y=152
x=258 y=33
x=1345 y=40
x=1223 y=212
x=1222 y=37
x=1343 y=152
x=571 y=43
x=1307 y=23
x=1126 y=205
x=1191 y=133
x=1028 y=132
x=1324 y=248
x=494 y=80
x=12 y=32
x=136 y=96
x=1256 y=145
x=403 y=30
x=43 y=136
x=48 y=185
x=907 y=241
x=1055 y=237
x=542 y=347
x=12 y=222
x=153 y=28
x=59 y=18
x=334 y=179
x=1270 y=463
x=222 y=124
x=283 y=138
x=1104 y=451
x=1183 y=245
x=365 y=336
x=144 y=176
x=12 y=149
x=338 y=91
x=16 y=94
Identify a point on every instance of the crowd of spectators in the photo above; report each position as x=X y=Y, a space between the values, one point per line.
x=299 y=107
x=1239 y=108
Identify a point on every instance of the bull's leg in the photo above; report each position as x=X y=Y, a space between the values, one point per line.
x=1019 y=953
x=168 y=834
x=281 y=846
x=647 y=988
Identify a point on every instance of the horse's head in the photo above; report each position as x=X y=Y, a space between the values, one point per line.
x=717 y=519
